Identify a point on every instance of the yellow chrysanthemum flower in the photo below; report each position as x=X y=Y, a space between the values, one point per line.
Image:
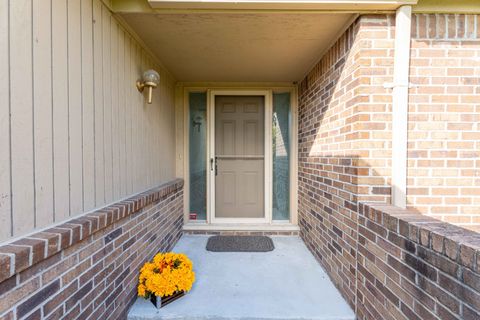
x=167 y=273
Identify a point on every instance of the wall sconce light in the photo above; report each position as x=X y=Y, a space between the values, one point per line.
x=150 y=79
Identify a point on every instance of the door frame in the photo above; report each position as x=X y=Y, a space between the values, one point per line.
x=182 y=94
x=211 y=192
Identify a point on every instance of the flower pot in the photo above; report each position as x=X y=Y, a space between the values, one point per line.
x=160 y=302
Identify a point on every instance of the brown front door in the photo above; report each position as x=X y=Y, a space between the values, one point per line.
x=239 y=153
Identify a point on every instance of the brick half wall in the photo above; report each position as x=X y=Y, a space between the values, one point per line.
x=87 y=268
x=414 y=267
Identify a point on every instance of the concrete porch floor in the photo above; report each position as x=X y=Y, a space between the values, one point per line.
x=286 y=283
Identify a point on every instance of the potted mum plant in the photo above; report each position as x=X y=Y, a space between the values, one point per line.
x=166 y=278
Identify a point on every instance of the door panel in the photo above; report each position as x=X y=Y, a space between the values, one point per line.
x=251 y=136
x=239 y=152
x=228 y=137
x=227 y=180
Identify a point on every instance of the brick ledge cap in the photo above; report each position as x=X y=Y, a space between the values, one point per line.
x=21 y=253
x=427 y=231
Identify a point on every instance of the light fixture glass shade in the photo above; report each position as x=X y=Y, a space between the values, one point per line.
x=151 y=77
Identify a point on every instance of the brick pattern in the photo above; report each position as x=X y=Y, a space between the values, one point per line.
x=87 y=268
x=345 y=112
x=344 y=147
x=444 y=118
x=412 y=266
x=344 y=159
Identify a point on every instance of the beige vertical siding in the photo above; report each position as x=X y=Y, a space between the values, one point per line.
x=21 y=116
x=5 y=169
x=74 y=132
x=60 y=167
x=42 y=112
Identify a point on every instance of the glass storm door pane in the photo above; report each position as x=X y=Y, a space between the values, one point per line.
x=281 y=156
x=198 y=155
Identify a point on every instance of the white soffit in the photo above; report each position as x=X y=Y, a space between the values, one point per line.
x=240 y=47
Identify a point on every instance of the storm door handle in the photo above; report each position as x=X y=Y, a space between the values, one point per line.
x=214 y=165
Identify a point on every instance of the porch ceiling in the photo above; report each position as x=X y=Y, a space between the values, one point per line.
x=234 y=46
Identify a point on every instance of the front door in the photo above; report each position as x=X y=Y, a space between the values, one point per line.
x=239 y=156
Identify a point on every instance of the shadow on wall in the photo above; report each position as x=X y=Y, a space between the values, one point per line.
x=375 y=258
x=328 y=216
x=344 y=153
x=331 y=170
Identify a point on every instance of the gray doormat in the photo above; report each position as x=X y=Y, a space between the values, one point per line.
x=240 y=244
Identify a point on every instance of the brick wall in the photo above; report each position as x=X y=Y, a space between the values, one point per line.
x=344 y=148
x=344 y=158
x=444 y=118
x=414 y=267
x=87 y=268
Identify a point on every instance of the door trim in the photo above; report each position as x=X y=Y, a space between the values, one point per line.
x=267 y=94
x=183 y=91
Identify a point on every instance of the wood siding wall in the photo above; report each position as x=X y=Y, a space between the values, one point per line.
x=75 y=134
